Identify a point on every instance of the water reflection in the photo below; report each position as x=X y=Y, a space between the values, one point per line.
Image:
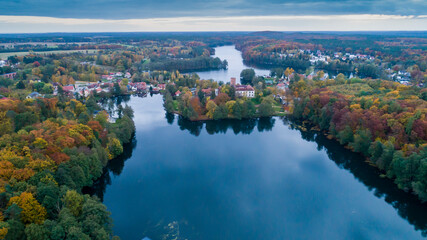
x=170 y=117
x=245 y=126
x=407 y=205
x=110 y=104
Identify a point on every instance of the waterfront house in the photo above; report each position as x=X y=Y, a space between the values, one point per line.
x=138 y=86
x=162 y=86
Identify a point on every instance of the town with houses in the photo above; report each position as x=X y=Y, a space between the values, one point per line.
x=106 y=84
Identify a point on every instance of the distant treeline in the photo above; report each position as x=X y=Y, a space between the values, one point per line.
x=188 y=64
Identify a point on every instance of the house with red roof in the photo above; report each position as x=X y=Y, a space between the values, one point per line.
x=162 y=86
x=208 y=91
x=68 y=88
x=138 y=86
x=281 y=86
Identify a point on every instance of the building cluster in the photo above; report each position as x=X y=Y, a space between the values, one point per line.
x=319 y=56
x=84 y=89
x=115 y=76
x=403 y=77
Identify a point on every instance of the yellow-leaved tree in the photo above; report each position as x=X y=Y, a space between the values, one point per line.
x=32 y=211
x=210 y=106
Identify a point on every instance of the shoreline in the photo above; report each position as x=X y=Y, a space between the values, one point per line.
x=228 y=118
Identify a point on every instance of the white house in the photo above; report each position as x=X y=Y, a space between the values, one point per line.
x=245 y=91
x=34 y=95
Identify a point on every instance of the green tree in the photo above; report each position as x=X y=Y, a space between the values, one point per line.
x=361 y=141
x=247 y=75
x=117 y=91
x=221 y=112
x=16 y=230
x=73 y=201
x=237 y=110
x=346 y=135
x=249 y=109
x=36 y=232
x=20 y=85
x=265 y=109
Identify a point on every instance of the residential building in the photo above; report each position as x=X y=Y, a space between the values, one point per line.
x=68 y=88
x=245 y=91
x=34 y=95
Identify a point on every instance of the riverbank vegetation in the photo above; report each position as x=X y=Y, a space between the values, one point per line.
x=384 y=121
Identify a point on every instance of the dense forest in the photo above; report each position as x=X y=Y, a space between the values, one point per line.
x=382 y=120
x=50 y=150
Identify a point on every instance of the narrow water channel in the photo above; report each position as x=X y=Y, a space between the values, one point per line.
x=235 y=65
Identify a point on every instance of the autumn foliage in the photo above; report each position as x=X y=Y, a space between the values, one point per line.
x=384 y=121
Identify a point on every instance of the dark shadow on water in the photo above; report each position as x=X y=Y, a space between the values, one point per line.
x=244 y=126
x=114 y=166
x=170 y=117
x=408 y=206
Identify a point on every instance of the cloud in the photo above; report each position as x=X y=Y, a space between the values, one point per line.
x=124 y=9
x=354 y=22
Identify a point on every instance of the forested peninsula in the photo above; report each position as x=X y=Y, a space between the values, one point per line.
x=384 y=121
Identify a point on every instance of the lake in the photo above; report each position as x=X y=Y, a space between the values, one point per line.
x=235 y=65
x=249 y=179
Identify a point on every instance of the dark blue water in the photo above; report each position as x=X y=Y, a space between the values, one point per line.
x=253 y=179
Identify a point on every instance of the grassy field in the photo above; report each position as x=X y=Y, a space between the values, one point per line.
x=6 y=55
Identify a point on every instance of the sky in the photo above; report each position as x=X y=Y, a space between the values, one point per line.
x=22 y=16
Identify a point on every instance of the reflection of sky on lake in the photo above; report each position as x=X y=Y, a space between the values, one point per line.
x=150 y=112
x=235 y=66
x=263 y=185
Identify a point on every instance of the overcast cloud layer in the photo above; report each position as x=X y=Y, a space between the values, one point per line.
x=125 y=9
x=210 y=15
